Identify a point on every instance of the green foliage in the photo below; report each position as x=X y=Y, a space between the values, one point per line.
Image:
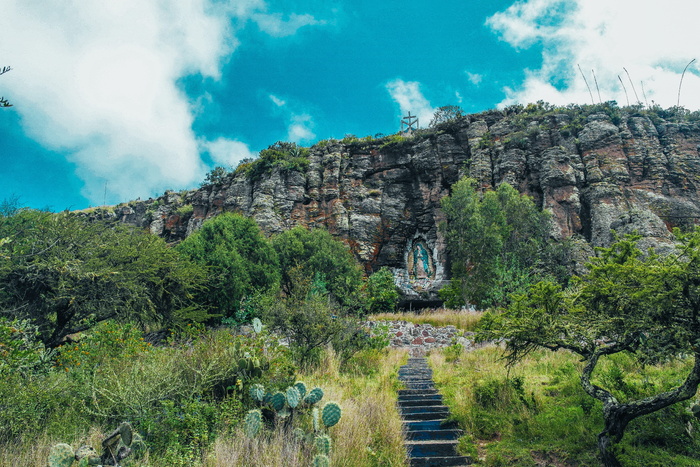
x=314 y=254
x=284 y=156
x=20 y=350
x=640 y=305
x=252 y=423
x=321 y=460
x=446 y=114
x=61 y=455
x=64 y=274
x=217 y=176
x=323 y=444
x=498 y=242
x=108 y=341
x=184 y=210
x=382 y=294
x=240 y=261
x=314 y=396
x=310 y=325
x=330 y=415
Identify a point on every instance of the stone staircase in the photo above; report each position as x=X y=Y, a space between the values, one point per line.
x=430 y=441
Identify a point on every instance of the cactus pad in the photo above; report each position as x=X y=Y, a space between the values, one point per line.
x=321 y=460
x=331 y=414
x=316 y=416
x=257 y=325
x=301 y=387
x=126 y=431
x=278 y=400
x=323 y=444
x=314 y=396
x=61 y=455
x=293 y=397
x=257 y=392
x=252 y=423
x=284 y=413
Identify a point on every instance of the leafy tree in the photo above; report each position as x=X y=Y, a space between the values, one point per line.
x=216 y=176
x=498 y=242
x=318 y=254
x=240 y=260
x=447 y=113
x=4 y=102
x=382 y=294
x=282 y=155
x=65 y=274
x=647 y=306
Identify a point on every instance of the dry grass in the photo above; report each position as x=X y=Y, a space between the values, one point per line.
x=368 y=434
x=465 y=320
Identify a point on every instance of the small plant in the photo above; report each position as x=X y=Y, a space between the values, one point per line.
x=116 y=446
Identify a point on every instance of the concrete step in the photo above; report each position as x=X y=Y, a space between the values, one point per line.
x=413 y=392
x=425 y=425
x=422 y=402
x=443 y=448
x=426 y=415
x=419 y=397
x=432 y=435
x=423 y=409
x=454 y=461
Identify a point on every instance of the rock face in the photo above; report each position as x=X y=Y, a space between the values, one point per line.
x=606 y=169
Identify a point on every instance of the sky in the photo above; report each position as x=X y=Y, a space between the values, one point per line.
x=119 y=100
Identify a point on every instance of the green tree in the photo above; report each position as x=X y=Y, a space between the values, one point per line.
x=216 y=176
x=382 y=294
x=65 y=274
x=647 y=306
x=447 y=113
x=240 y=260
x=498 y=244
x=318 y=254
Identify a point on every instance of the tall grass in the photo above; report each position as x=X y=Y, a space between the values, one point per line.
x=538 y=414
x=179 y=398
x=369 y=433
x=465 y=320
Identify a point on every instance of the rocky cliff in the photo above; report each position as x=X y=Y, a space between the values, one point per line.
x=597 y=168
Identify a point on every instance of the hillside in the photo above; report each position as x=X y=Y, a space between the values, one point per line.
x=597 y=168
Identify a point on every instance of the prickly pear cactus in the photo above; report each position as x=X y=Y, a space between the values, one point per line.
x=293 y=397
x=301 y=387
x=314 y=396
x=331 y=414
x=61 y=455
x=323 y=444
x=257 y=392
x=321 y=460
x=278 y=400
x=86 y=455
x=257 y=325
x=299 y=434
x=126 y=432
x=316 y=416
x=252 y=423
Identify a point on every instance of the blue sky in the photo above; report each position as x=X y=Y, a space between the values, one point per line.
x=119 y=100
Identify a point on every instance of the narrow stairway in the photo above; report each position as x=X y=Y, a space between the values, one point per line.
x=430 y=440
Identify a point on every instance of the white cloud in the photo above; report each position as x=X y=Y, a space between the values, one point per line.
x=652 y=41
x=301 y=128
x=277 y=101
x=98 y=81
x=274 y=24
x=226 y=152
x=474 y=78
x=408 y=96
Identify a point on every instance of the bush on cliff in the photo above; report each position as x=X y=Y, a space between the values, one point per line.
x=498 y=243
x=240 y=262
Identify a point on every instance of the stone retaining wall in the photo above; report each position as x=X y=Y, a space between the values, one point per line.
x=420 y=338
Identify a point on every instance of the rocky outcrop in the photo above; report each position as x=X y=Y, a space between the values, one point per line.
x=597 y=169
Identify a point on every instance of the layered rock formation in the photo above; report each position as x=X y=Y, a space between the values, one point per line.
x=597 y=169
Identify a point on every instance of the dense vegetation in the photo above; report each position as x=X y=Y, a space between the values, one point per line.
x=499 y=244
x=101 y=323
